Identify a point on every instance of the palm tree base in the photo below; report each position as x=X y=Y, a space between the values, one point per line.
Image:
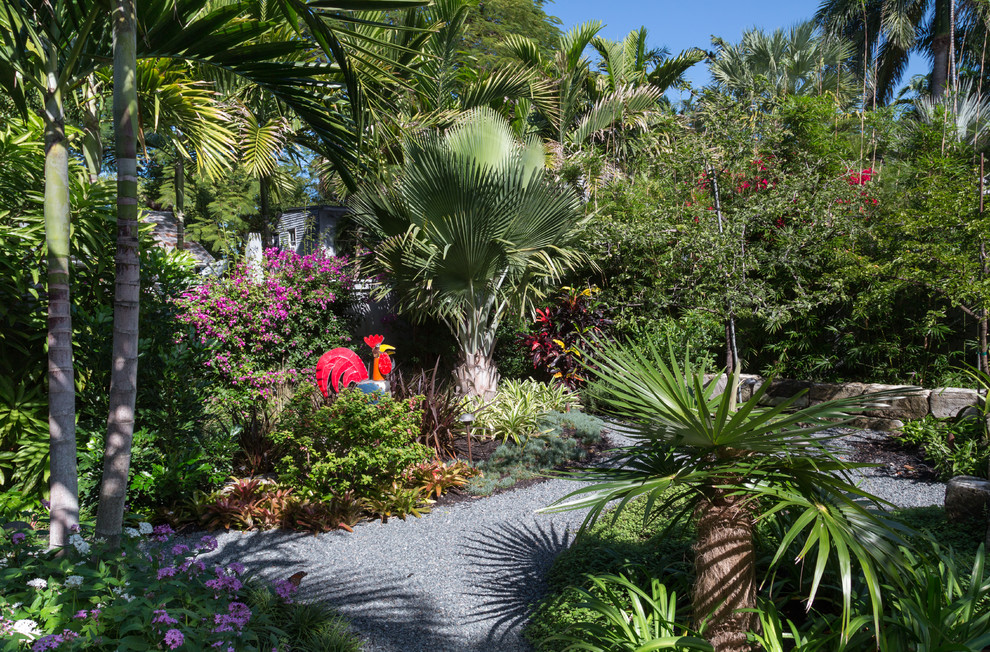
x=725 y=577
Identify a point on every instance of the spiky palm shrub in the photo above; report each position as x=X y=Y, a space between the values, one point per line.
x=472 y=225
x=724 y=467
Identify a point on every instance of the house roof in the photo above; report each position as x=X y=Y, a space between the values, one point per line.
x=166 y=232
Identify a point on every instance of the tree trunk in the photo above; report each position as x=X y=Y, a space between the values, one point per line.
x=476 y=376
x=724 y=563
x=264 y=192
x=941 y=39
x=179 y=209
x=61 y=384
x=123 y=378
x=92 y=141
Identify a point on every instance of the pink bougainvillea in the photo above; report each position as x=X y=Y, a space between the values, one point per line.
x=268 y=333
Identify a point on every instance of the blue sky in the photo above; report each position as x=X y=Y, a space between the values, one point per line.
x=682 y=24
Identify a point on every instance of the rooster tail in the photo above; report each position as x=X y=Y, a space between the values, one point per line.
x=339 y=366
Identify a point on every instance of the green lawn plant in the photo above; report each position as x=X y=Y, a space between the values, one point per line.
x=723 y=467
x=565 y=438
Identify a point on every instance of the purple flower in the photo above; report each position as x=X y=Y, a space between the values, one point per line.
x=18 y=538
x=207 y=543
x=162 y=617
x=168 y=571
x=80 y=614
x=180 y=549
x=237 y=567
x=285 y=590
x=174 y=638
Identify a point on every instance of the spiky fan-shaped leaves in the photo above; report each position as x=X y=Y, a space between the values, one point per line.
x=471 y=225
x=688 y=443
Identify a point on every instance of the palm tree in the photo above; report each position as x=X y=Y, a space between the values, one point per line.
x=49 y=48
x=797 y=61
x=472 y=225
x=885 y=33
x=722 y=468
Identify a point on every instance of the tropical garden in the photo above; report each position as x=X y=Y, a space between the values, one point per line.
x=565 y=241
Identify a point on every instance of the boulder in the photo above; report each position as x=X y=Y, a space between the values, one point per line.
x=749 y=384
x=912 y=405
x=947 y=402
x=876 y=423
x=821 y=392
x=967 y=498
x=783 y=389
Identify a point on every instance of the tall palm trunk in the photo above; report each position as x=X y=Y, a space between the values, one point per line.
x=941 y=42
x=724 y=563
x=123 y=379
x=61 y=384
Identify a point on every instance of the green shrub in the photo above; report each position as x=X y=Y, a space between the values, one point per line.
x=512 y=462
x=585 y=428
x=967 y=454
x=360 y=442
x=516 y=410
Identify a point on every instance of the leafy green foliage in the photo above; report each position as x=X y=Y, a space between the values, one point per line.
x=565 y=438
x=954 y=446
x=517 y=409
x=154 y=592
x=659 y=549
x=634 y=619
x=360 y=442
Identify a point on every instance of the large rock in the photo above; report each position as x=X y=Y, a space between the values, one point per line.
x=783 y=389
x=967 y=498
x=913 y=403
x=947 y=402
x=749 y=384
x=821 y=392
x=876 y=423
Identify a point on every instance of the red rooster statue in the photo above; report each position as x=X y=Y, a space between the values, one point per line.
x=342 y=367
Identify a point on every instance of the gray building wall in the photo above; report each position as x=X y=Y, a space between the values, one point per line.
x=306 y=229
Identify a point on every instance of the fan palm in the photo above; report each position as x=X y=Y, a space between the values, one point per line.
x=724 y=468
x=798 y=61
x=472 y=225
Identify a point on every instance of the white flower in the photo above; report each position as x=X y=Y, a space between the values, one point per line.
x=127 y=596
x=131 y=532
x=27 y=627
x=3 y=562
x=145 y=528
x=38 y=583
x=73 y=580
x=79 y=544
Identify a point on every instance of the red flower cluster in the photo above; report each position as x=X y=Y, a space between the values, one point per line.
x=859 y=177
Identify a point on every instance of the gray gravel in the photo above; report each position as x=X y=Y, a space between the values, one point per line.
x=463 y=578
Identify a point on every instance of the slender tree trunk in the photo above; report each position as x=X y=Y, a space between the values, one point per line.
x=724 y=562
x=477 y=376
x=179 y=209
x=61 y=384
x=941 y=42
x=92 y=138
x=264 y=192
x=123 y=378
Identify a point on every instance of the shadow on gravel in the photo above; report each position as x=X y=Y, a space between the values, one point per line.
x=385 y=612
x=510 y=568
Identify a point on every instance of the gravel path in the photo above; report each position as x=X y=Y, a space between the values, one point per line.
x=463 y=578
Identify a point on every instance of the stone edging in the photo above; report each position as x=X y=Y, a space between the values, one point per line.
x=941 y=402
